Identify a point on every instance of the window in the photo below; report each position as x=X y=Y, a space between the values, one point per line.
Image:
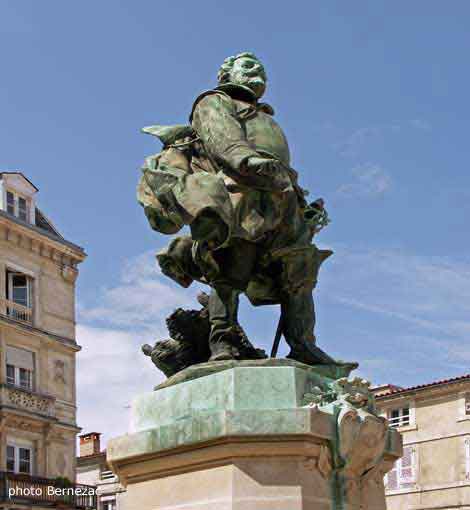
x=106 y=475
x=109 y=504
x=21 y=377
x=403 y=474
x=467 y=459
x=25 y=378
x=467 y=404
x=10 y=203
x=24 y=457
x=399 y=417
x=22 y=209
x=11 y=458
x=19 y=459
x=20 y=367
x=19 y=288
x=17 y=206
x=11 y=376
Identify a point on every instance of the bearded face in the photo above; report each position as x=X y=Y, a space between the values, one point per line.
x=249 y=72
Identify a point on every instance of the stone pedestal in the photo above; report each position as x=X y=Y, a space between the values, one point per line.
x=265 y=435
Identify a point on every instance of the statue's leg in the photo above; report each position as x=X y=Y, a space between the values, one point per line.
x=298 y=278
x=298 y=322
x=223 y=312
x=236 y=263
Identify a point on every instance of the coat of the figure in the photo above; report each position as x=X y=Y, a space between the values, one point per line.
x=227 y=175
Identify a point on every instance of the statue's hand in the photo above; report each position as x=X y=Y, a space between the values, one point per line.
x=262 y=166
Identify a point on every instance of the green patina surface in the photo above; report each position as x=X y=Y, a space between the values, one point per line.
x=245 y=400
x=255 y=385
x=227 y=176
x=204 y=426
x=329 y=372
x=242 y=400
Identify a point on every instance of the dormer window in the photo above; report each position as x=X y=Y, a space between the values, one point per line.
x=17 y=206
x=10 y=203
x=22 y=209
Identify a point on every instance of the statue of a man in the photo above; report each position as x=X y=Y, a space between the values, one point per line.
x=228 y=176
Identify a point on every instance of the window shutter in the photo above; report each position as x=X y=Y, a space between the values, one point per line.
x=407 y=467
x=20 y=358
x=391 y=478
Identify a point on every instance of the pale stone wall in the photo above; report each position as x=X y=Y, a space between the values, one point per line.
x=89 y=475
x=438 y=432
x=53 y=296
x=45 y=417
x=89 y=470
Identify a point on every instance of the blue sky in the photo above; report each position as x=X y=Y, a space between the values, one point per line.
x=373 y=97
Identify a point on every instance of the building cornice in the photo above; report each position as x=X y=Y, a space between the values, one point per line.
x=39 y=241
x=429 y=390
x=47 y=335
x=94 y=458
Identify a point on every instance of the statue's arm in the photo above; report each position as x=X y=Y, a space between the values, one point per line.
x=215 y=121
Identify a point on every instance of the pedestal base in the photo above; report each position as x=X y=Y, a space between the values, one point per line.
x=248 y=438
x=238 y=475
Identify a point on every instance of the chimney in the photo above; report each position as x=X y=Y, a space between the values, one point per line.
x=90 y=444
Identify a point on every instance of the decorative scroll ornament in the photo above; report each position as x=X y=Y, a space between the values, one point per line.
x=358 y=459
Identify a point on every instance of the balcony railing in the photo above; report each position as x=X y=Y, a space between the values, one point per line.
x=26 y=489
x=399 y=421
x=27 y=400
x=16 y=311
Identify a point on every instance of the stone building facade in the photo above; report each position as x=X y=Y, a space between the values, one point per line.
x=92 y=469
x=434 y=420
x=38 y=271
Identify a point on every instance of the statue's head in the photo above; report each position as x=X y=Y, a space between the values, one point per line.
x=244 y=69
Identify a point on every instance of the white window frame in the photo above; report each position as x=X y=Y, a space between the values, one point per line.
x=19 y=367
x=463 y=411
x=8 y=203
x=18 y=371
x=11 y=275
x=107 y=474
x=108 y=500
x=16 y=204
x=17 y=446
x=403 y=420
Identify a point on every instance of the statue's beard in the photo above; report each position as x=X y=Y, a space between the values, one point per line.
x=256 y=84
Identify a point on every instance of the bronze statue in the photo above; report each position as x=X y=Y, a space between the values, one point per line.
x=227 y=175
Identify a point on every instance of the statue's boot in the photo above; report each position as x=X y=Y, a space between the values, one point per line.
x=223 y=311
x=226 y=336
x=298 y=322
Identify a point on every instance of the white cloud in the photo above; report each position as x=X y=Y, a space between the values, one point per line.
x=421 y=124
x=430 y=294
x=368 y=181
x=111 y=371
x=364 y=137
x=142 y=297
x=111 y=368
x=427 y=297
